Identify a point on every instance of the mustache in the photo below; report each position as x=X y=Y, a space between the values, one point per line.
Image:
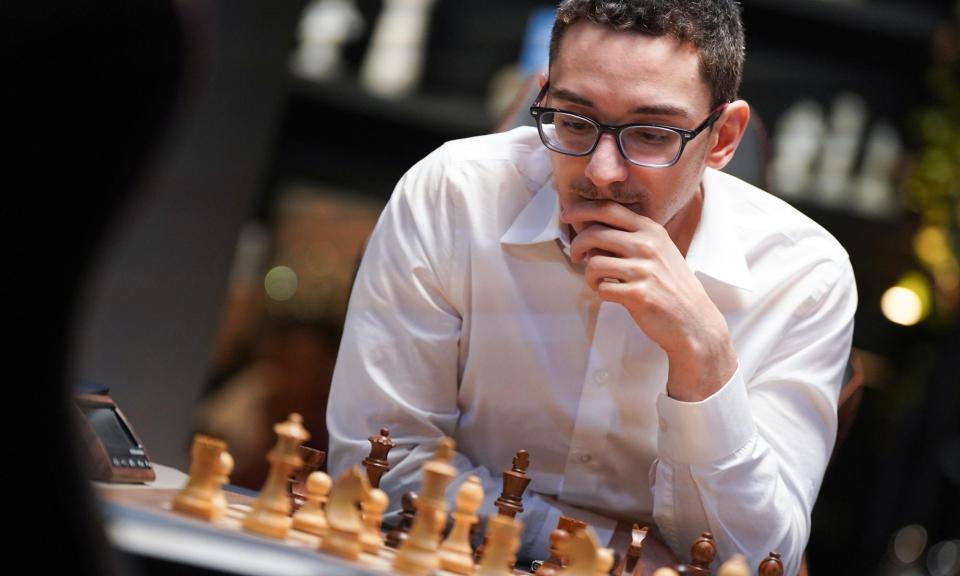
x=616 y=192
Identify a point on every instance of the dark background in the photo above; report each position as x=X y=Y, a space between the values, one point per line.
x=131 y=227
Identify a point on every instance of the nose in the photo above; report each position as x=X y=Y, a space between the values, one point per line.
x=606 y=166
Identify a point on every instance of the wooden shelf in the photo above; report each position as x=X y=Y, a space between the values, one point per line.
x=902 y=22
x=442 y=113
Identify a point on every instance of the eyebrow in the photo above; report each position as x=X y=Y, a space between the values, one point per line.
x=652 y=109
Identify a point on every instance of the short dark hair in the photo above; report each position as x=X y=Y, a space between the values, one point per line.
x=712 y=26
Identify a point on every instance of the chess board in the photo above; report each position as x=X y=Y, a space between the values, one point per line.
x=199 y=520
x=141 y=521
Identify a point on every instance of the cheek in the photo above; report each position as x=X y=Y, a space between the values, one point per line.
x=565 y=171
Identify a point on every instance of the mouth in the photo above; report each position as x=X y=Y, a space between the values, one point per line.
x=636 y=207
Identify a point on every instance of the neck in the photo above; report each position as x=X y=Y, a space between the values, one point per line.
x=684 y=223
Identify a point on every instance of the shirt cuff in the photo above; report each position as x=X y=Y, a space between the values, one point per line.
x=708 y=430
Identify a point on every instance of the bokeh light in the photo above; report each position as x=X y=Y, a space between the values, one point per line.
x=909 y=543
x=943 y=559
x=901 y=306
x=281 y=283
x=909 y=301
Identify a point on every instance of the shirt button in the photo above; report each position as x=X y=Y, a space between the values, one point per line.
x=585 y=458
x=600 y=376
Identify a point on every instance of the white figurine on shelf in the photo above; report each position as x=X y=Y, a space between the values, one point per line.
x=393 y=63
x=326 y=25
x=796 y=145
x=874 y=188
x=848 y=119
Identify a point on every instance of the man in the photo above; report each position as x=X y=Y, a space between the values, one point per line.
x=666 y=341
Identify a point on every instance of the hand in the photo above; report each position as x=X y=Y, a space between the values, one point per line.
x=631 y=260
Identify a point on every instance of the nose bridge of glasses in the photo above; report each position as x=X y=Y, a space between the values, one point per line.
x=608 y=151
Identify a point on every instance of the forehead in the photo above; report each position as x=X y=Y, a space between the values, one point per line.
x=623 y=70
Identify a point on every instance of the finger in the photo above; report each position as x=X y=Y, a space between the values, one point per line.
x=597 y=239
x=608 y=212
x=615 y=292
x=605 y=269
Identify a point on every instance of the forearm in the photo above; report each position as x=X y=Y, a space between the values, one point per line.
x=743 y=500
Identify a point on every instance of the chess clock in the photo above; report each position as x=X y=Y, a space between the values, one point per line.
x=117 y=454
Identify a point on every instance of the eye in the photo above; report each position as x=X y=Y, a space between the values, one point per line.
x=649 y=137
x=574 y=125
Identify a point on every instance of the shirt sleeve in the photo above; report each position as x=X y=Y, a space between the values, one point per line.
x=398 y=362
x=748 y=461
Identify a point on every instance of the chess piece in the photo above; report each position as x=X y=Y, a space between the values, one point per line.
x=503 y=539
x=394 y=60
x=736 y=565
x=408 y=511
x=606 y=559
x=270 y=515
x=376 y=463
x=555 y=562
x=565 y=527
x=456 y=554
x=797 y=140
x=372 y=509
x=616 y=563
x=702 y=553
x=771 y=565
x=343 y=517
x=326 y=25
x=632 y=557
x=417 y=555
x=199 y=496
x=312 y=461
x=841 y=146
x=874 y=189
x=584 y=556
x=222 y=476
x=311 y=516
x=515 y=482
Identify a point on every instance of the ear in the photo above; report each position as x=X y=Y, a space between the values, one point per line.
x=727 y=132
x=541 y=79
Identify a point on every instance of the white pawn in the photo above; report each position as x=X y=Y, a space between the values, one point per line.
x=605 y=561
x=199 y=497
x=311 y=516
x=499 y=553
x=735 y=566
x=456 y=554
x=222 y=476
x=373 y=507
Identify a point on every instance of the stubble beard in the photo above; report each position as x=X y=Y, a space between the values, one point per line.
x=636 y=200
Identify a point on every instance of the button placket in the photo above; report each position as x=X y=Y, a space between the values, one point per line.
x=591 y=428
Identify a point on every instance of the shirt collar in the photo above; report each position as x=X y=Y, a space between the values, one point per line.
x=539 y=221
x=715 y=250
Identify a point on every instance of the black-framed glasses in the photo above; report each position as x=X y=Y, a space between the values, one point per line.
x=650 y=145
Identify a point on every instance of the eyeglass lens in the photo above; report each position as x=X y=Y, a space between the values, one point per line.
x=570 y=134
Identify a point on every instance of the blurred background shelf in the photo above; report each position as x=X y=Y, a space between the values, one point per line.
x=451 y=113
x=894 y=21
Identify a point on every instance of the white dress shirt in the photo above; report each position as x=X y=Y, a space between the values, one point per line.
x=467 y=319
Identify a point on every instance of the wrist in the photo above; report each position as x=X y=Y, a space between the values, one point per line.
x=701 y=367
